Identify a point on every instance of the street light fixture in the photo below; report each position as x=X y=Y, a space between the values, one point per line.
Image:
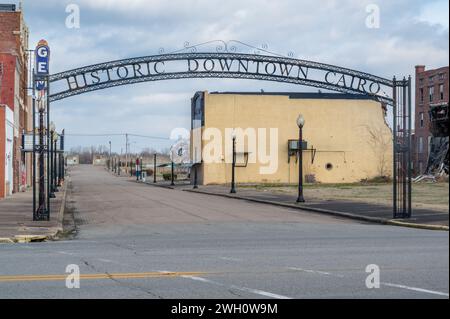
x=52 y=127
x=300 y=124
x=233 y=165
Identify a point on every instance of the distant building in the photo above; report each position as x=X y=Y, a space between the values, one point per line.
x=72 y=160
x=348 y=139
x=432 y=88
x=99 y=160
x=14 y=103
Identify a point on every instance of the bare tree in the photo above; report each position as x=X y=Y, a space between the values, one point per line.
x=380 y=143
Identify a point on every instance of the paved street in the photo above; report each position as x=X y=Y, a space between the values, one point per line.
x=139 y=241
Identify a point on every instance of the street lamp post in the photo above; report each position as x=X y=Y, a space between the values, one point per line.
x=233 y=166
x=137 y=166
x=61 y=160
x=154 y=168
x=173 y=174
x=131 y=167
x=142 y=168
x=110 y=157
x=300 y=124
x=55 y=161
x=41 y=212
x=195 y=177
x=51 y=170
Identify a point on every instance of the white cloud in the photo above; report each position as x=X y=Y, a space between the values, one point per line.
x=436 y=13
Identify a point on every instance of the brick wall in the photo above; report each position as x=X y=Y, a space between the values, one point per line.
x=13 y=55
x=7 y=83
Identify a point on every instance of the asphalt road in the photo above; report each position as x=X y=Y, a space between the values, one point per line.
x=140 y=241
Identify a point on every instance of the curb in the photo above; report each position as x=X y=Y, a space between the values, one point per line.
x=418 y=226
x=159 y=185
x=6 y=241
x=60 y=217
x=23 y=239
x=375 y=220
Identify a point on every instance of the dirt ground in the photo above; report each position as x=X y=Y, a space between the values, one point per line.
x=433 y=196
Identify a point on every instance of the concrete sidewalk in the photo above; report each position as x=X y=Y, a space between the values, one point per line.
x=16 y=218
x=382 y=214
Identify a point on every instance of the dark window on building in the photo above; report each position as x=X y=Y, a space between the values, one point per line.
x=441 y=91
x=422 y=95
x=441 y=76
x=421 y=81
x=421 y=119
x=431 y=93
x=431 y=78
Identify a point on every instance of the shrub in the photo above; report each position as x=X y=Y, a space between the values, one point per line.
x=377 y=180
x=168 y=176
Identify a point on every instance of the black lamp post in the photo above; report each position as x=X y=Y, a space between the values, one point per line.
x=195 y=177
x=42 y=212
x=55 y=163
x=300 y=124
x=154 y=168
x=233 y=166
x=173 y=174
x=110 y=166
x=61 y=159
x=51 y=162
x=141 y=162
x=131 y=167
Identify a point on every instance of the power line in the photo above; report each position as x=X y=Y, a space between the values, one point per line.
x=119 y=134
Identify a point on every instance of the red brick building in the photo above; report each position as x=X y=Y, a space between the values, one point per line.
x=431 y=90
x=13 y=99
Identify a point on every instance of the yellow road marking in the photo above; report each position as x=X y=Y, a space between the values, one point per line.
x=139 y=275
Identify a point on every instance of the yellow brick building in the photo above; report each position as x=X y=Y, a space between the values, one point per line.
x=347 y=137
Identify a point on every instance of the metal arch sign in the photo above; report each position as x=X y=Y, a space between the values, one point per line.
x=42 y=53
x=218 y=65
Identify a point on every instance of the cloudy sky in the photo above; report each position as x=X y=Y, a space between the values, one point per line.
x=328 y=31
